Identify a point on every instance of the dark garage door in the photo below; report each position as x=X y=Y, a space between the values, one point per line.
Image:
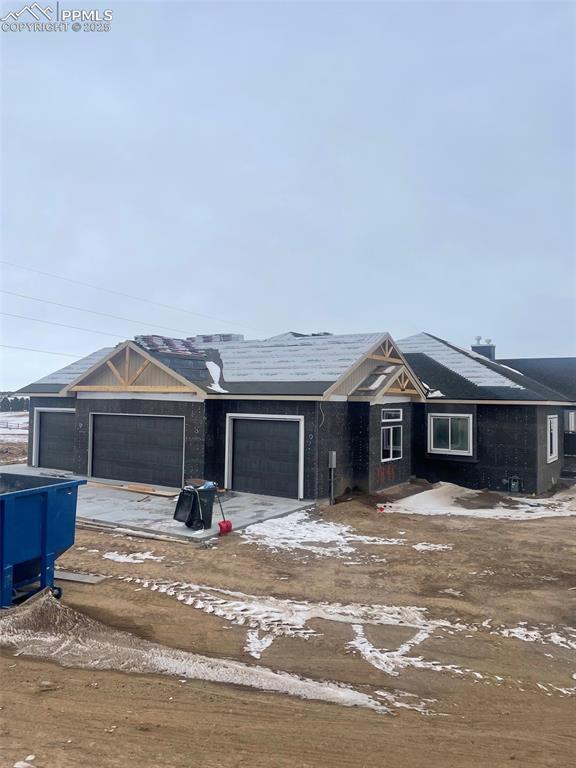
x=56 y=439
x=265 y=457
x=139 y=449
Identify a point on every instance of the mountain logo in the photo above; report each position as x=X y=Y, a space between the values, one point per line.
x=33 y=10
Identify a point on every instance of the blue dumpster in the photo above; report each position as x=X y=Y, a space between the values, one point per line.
x=37 y=522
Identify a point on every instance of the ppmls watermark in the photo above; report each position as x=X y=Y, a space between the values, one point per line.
x=38 y=18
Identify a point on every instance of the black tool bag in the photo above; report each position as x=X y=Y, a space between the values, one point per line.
x=188 y=509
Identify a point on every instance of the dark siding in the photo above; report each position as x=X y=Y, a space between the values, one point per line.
x=549 y=474
x=336 y=432
x=383 y=474
x=350 y=429
x=192 y=412
x=508 y=442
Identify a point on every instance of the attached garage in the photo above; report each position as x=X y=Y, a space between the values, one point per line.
x=54 y=438
x=265 y=454
x=136 y=448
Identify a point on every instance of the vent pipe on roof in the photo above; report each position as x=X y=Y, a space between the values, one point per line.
x=485 y=348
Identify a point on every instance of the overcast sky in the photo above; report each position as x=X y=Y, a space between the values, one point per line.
x=337 y=167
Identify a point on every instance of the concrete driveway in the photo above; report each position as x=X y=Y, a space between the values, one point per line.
x=101 y=502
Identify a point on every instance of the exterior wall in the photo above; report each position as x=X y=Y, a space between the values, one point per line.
x=44 y=402
x=549 y=473
x=570 y=444
x=192 y=412
x=383 y=474
x=194 y=420
x=569 y=437
x=508 y=441
x=215 y=433
x=342 y=427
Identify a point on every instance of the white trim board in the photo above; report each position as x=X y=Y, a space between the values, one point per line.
x=175 y=396
x=36 y=429
x=44 y=394
x=150 y=415
x=552 y=423
x=229 y=443
x=442 y=400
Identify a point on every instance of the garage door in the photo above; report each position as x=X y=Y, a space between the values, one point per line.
x=56 y=439
x=265 y=456
x=139 y=449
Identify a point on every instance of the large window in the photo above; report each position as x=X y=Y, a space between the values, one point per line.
x=552 y=439
x=391 y=437
x=450 y=433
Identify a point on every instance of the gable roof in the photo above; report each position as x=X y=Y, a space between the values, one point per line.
x=289 y=364
x=556 y=372
x=452 y=373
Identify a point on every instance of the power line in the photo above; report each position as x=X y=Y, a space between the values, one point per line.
x=93 y=312
x=125 y=295
x=62 y=325
x=43 y=351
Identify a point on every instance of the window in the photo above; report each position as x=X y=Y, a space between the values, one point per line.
x=392 y=414
x=391 y=443
x=552 y=439
x=569 y=421
x=450 y=433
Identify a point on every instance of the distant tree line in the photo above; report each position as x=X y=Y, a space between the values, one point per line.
x=10 y=402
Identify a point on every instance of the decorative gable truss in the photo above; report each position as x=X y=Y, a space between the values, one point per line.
x=129 y=368
x=382 y=370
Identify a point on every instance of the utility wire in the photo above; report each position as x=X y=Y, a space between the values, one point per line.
x=43 y=351
x=62 y=325
x=94 y=312
x=125 y=295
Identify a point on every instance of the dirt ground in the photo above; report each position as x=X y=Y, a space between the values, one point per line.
x=513 y=705
x=13 y=453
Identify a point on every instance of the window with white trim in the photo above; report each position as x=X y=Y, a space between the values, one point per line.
x=569 y=421
x=391 y=447
x=552 y=439
x=450 y=433
x=391 y=414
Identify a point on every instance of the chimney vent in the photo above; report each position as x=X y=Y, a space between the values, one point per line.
x=485 y=348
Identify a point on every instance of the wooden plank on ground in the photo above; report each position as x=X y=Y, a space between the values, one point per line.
x=136 y=488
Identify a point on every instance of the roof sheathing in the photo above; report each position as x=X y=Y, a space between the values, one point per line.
x=457 y=374
x=59 y=379
x=456 y=360
x=292 y=358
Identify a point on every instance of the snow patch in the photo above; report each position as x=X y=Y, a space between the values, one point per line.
x=446 y=498
x=14 y=426
x=278 y=617
x=214 y=371
x=47 y=629
x=132 y=557
x=256 y=645
x=548 y=635
x=427 y=547
x=299 y=531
